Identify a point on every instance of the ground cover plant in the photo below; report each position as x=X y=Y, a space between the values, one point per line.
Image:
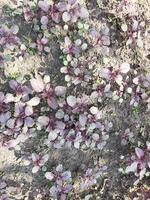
x=74 y=100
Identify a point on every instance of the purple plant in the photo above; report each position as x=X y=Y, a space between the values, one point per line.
x=62 y=182
x=69 y=48
x=117 y=84
x=81 y=126
x=42 y=45
x=121 y=5
x=91 y=176
x=8 y=37
x=126 y=136
x=38 y=161
x=87 y=180
x=54 y=13
x=50 y=10
x=139 y=162
x=20 y=91
x=44 y=5
x=50 y=123
x=27 y=13
x=3 y=197
x=16 y=114
x=79 y=72
x=23 y=114
x=2 y=185
x=100 y=40
x=72 y=11
x=135 y=32
x=74 y=117
x=45 y=90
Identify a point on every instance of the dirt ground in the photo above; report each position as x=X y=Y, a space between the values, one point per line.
x=15 y=170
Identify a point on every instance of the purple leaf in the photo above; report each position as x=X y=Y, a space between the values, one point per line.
x=105 y=73
x=55 y=17
x=27 y=13
x=52 y=103
x=13 y=84
x=37 y=84
x=9 y=98
x=94 y=110
x=132 y=167
x=11 y=123
x=71 y=100
x=82 y=119
x=124 y=68
x=60 y=125
x=29 y=122
x=66 y=17
x=44 y=20
x=19 y=107
x=4 y=117
x=139 y=152
x=62 y=6
x=34 y=101
x=95 y=136
x=72 y=2
x=45 y=159
x=63 y=197
x=28 y=110
x=59 y=114
x=77 y=144
x=52 y=135
x=2 y=185
x=12 y=143
x=105 y=40
x=53 y=191
x=60 y=90
x=43 y=120
x=59 y=168
x=35 y=169
x=35 y=157
x=49 y=175
x=44 y=40
x=84 y=13
x=44 y=6
x=14 y=29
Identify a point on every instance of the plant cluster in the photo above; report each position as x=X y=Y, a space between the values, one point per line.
x=66 y=117
x=68 y=120
x=139 y=162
